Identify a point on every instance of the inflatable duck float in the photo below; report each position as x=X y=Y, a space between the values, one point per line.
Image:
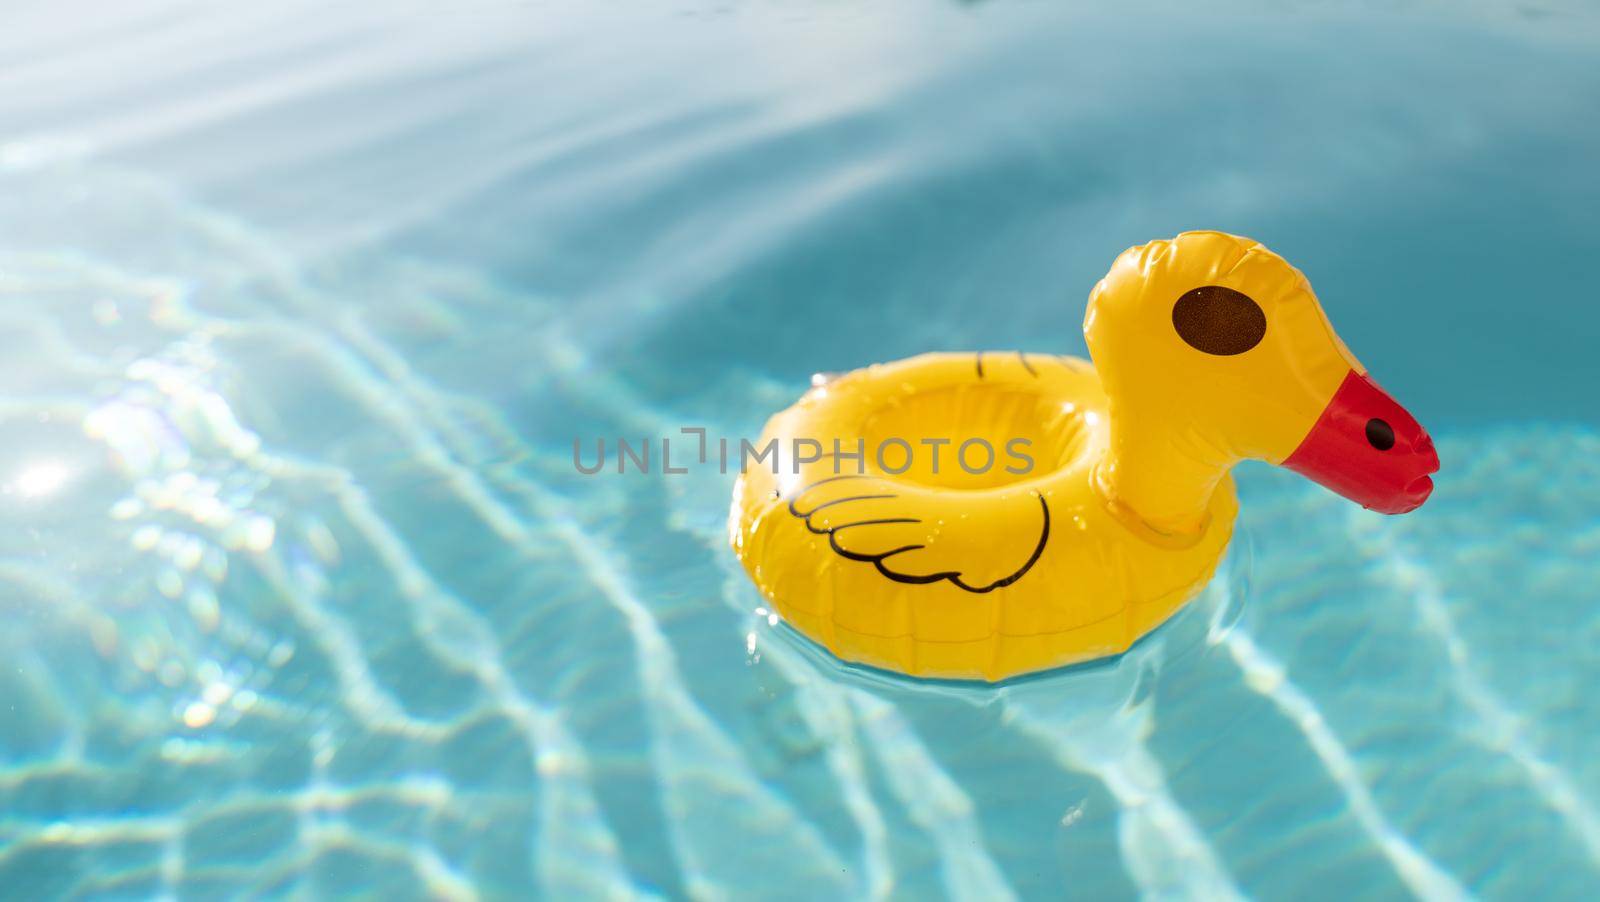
x=1111 y=501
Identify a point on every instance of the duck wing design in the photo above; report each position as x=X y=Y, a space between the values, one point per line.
x=917 y=535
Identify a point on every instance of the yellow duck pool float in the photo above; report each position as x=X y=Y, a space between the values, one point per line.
x=984 y=515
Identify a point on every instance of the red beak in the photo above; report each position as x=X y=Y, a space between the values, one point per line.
x=1366 y=447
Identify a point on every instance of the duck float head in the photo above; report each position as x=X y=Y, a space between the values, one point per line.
x=1213 y=349
x=1209 y=349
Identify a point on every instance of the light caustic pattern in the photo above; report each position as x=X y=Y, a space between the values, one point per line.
x=301 y=601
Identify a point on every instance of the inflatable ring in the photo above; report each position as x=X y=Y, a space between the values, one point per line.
x=984 y=515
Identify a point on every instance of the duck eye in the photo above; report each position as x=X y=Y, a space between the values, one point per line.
x=1219 y=320
x=1380 y=434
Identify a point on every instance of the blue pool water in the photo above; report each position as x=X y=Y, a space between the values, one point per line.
x=303 y=305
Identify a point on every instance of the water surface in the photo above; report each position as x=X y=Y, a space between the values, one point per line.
x=303 y=306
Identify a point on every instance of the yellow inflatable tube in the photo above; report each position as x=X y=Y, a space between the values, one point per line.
x=983 y=515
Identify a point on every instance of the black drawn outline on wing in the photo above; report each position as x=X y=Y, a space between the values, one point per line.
x=877 y=560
